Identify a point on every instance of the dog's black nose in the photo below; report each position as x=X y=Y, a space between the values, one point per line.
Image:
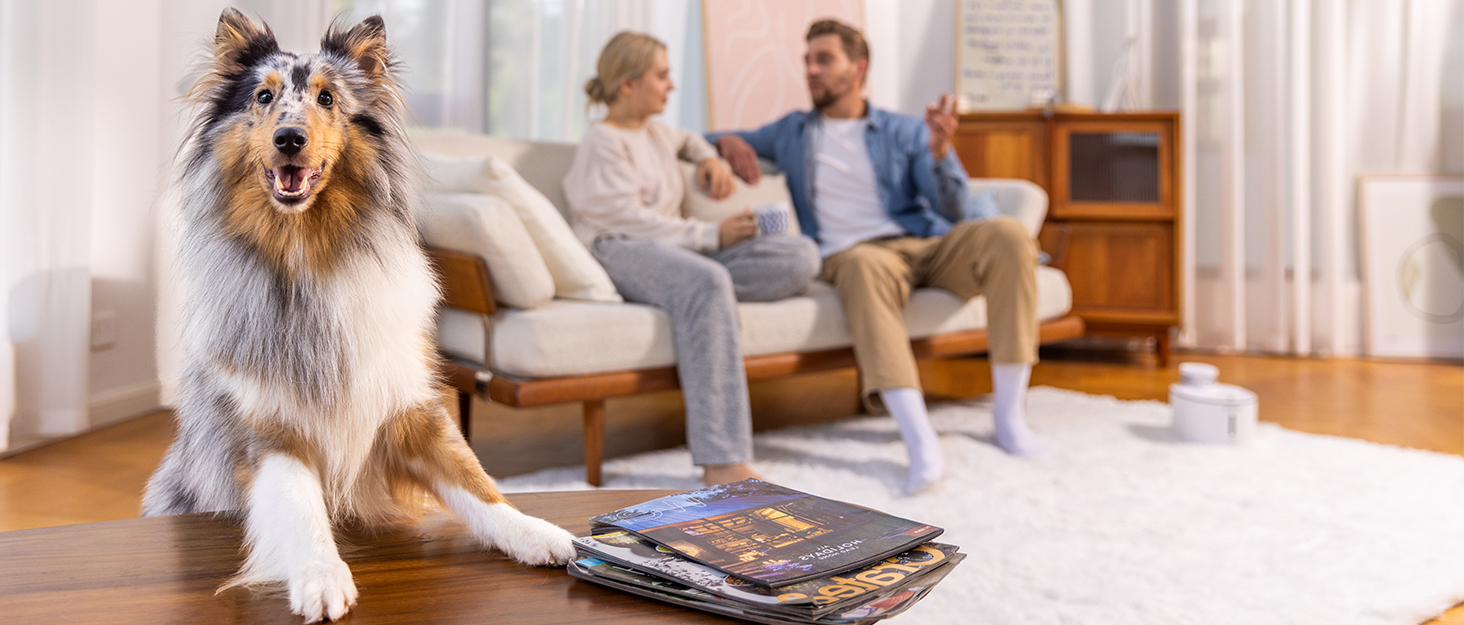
x=290 y=139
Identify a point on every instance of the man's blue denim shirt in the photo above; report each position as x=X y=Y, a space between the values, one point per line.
x=921 y=194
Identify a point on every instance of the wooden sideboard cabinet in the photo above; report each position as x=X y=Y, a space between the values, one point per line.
x=1113 y=225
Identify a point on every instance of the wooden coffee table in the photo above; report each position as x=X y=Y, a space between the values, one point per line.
x=166 y=569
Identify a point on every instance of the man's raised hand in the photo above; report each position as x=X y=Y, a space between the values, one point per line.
x=941 y=118
x=741 y=157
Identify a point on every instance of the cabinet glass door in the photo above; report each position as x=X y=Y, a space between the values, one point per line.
x=1113 y=167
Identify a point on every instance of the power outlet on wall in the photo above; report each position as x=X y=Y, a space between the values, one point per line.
x=103 y=330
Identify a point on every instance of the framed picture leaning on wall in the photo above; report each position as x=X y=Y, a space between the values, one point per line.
x=1412 y=234
x=1008 y=54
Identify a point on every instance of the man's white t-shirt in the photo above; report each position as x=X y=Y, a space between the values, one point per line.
x=845 y=194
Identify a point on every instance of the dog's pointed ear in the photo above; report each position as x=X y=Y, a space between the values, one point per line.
x=239 y=43
x=364 y=43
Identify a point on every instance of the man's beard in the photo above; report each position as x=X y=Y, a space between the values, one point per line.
x=828 y=97
x=832 y=93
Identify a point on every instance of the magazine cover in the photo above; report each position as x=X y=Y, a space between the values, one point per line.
x=813 y=597
x=768 y=534
x=892 y=603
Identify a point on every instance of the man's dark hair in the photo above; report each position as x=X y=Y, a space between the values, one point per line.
x=854 y=45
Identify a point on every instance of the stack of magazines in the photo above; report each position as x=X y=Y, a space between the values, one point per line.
x=768 y=554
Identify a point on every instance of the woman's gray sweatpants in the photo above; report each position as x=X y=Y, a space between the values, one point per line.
x=700 y=293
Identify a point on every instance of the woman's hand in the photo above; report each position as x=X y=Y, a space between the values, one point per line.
x=712 y=176
x=738 y=228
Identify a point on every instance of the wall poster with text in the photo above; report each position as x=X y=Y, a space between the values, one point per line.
x=1007 y=53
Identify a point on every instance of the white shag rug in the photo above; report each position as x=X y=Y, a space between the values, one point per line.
x=1121 y=525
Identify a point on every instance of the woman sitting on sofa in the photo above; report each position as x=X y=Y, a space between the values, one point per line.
x=624 y=192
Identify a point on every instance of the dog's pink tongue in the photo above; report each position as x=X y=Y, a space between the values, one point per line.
x=290 y=178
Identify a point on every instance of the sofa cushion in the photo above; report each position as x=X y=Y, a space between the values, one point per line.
x=982 y=206
x=771 y=189
x=452 y=174
x=577 y=275
x=541 y=163
x=489 y=227
x=1021 y=199
x=565 y=338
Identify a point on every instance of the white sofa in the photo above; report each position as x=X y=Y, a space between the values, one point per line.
x=572 y=350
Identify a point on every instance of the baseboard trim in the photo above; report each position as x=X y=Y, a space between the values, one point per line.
x=105 y=409
x=22 y=445
x=124 y=403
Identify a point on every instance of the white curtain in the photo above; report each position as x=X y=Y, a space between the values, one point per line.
x=47 y=93
x=517 y=68
x=541 y=52
x=1286 y=103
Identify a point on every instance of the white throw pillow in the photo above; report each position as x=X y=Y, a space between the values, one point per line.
x=452 y=174
x=577 y=275
x=487 y=226
x=771 y=189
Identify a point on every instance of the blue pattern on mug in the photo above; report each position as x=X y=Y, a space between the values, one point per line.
x=771 y=218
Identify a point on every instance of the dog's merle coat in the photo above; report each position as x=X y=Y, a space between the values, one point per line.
x=309 y=395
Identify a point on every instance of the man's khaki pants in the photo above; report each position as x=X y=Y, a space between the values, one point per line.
x=994 y=257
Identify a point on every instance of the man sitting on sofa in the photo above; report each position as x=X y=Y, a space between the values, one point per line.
x=879 y=192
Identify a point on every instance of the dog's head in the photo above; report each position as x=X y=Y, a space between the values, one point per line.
x=283 y=124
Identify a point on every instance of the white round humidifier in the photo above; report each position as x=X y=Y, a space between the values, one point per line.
x=1206 y=411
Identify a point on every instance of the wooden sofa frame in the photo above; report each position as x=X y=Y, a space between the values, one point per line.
x=467 y=286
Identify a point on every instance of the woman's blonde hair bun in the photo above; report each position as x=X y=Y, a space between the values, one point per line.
x=627 y=55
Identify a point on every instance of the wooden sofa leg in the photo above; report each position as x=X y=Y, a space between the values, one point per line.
x=594 y=439
x=465 y=414
x=1161 y=347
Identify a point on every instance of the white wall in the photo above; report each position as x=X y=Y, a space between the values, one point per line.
x=882 y=32
x=926 y=50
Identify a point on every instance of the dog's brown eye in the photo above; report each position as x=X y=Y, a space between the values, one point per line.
x=265 y=97
x=325 y=98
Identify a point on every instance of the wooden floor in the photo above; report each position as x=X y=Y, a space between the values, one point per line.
x=99 y=476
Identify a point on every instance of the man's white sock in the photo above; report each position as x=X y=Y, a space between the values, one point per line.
x=1009 y=407
x=927 y=463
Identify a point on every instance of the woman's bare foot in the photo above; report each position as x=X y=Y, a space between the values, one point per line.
x=714 y=474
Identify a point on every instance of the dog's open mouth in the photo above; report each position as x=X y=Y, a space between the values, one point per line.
x=292 y=184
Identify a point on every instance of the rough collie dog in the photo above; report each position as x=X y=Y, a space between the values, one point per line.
x=309 y=395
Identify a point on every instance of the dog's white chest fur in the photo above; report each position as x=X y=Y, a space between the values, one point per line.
x=387 y=313
x=383 y=310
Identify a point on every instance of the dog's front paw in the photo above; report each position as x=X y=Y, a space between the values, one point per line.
x=536 y=542
x=322 y=589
